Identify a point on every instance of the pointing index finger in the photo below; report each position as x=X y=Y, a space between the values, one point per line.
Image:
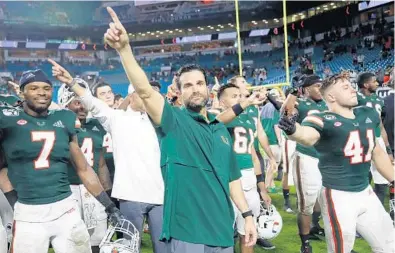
x=113 y=15
x=54 y=63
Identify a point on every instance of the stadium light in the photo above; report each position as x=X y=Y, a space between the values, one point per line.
x=332 y=3
x=318 y=8
x=189 y=30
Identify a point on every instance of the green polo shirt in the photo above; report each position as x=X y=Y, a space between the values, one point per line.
x=198 y=163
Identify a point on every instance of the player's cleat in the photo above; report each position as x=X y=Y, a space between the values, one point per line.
x=353 y=251
x=317 y=233
x=306 y=249
x=265 y=244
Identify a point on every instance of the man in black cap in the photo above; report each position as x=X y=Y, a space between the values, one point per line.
x=38 y=144
x=306 y=175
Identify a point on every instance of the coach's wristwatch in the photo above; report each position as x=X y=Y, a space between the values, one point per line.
x=247 y=213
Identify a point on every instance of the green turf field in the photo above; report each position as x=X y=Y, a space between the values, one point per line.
x=288 y=241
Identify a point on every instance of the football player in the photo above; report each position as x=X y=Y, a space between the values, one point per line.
x=345 y=141
x=253 y=112
x=242 y=130
x=90 y=139
x=260 y=138
x=38 y=144
x=368 y=85
x=307 y=177
x=103 y=91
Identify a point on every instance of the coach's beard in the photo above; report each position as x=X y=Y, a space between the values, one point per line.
x=196 y=107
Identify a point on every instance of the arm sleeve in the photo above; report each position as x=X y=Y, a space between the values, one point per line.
x=315 y=121
x=169 y=118
x=100 y=110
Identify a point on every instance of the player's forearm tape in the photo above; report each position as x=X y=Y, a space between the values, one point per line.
x=105 y=200
x=274 y=102
x=260 y=178
x=237 y=109
x=11 y=197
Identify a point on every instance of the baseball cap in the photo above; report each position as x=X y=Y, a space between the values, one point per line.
x=33 y=76
x=310 y=80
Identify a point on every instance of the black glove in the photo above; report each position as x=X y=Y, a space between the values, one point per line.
x=114 y=215
x=288 y=124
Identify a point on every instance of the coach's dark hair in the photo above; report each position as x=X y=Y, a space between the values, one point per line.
x=100 y=84
x=224 y=87
x=364 y=78
x=189 y=68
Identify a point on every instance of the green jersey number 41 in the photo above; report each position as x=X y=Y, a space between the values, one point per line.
x=354 y=150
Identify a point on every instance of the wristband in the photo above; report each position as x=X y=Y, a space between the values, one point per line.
x=237 y=109
x=246 y=214
x=73 y=83
x=389 y=150
x=260 y=178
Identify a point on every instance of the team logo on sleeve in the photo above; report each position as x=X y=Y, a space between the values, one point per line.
x=10 y=112
x=337 y=124
x=21 y=122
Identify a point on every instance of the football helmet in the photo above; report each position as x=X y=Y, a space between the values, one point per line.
x=128 y=244
x=270 y=222
x=65 y=94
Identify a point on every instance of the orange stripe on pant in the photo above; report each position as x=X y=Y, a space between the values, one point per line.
x=286 y=157
x=300 y=189
x=335 y=226
x=13 y=237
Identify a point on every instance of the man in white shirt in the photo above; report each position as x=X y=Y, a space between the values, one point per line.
x=138 y=182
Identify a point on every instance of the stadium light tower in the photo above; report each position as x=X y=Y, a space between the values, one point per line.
x=287 y=81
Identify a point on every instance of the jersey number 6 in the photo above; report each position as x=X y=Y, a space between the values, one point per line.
x=241 y=145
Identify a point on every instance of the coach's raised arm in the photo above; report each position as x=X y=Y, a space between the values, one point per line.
x=197 y=159
x=117 y=37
